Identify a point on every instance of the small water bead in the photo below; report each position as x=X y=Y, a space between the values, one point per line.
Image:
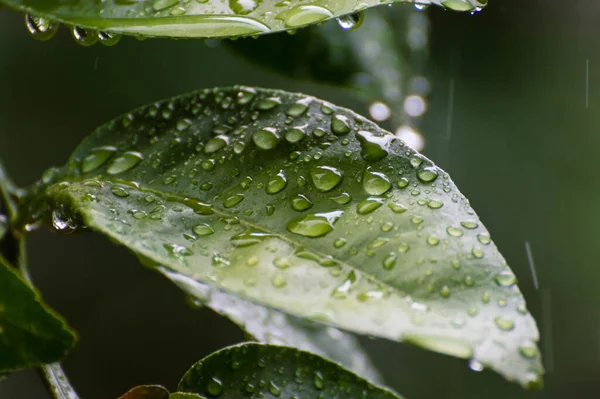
x=468 y=281
x=454 y=231
x=351 y=21
x=267 y=104
x=477 y=252
x=485 y=298
x=339 y=243
x=445 y=291
x=528 y=350
x=433 y=240
x=96 y=158
x=369 y=205
x=504 y=324
x=203 y=229
x=458 y=5
x=266 y=138
x=233 y=200
x=484 y=238
x=469 y=224
x=294 y=135
x=301 y=203
x=340 y=124
x=177 y=250
x=84 y=37
x=416 y=220
x=476 y=365
x=239 y=147
x=342 y=199
x=306 y=14
x=326 y=178
x=427 y=174
x=243 y=7
x=215 y=144
x=274 y=389
x=276 y=183
x=402 y=182
x=120 y=192
x=208 y=164
x=416 y=161
x=41 y=28
x=506 y=279
x=314 y=225
x=433 y=204
x=387 y=226
x=124 y=162
x=376 y=183
x=397 y=208
x=215 y=386
x=278 y=281
x=390 y=261
x=109 y=38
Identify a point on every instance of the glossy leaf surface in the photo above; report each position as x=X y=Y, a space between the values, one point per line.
x=299 y=205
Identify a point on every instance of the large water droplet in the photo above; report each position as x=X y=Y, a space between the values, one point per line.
x=528 y=350
x=109 y=38
x=301 y=203
x=96 y=158
x=351 y=21
x=326 y=178
x=266 y=138
x=319 y=380
x=506 y=279
x=124 y=162
x=215 y=144
x=306 y=14
x=298 y=108
x=376 y=183
x=41 y=28
x=340 y=124
x=294 y=134
x=373 y=147
x=215 y=387
x=314 y=225
x=276 y=183
x=203 y=229
x=369 y=205
x=249 y=238
x=233 y=200
x=504 y=323
x=85 y=37
x=427 y=174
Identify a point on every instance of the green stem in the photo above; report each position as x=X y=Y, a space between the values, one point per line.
x=7 y=192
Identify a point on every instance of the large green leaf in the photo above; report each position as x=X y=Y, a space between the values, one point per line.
x=31 y=334
x=256 y=370
x=294 y=203
x=188 y=18
x=277 y=328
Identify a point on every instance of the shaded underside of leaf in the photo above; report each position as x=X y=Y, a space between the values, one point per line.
x=302 y=206
x=277 y=328
x=31 y=334
x=213 y=18
x=251 y=370
x=146 y=392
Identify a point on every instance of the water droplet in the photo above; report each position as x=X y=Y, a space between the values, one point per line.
x=373 y=147
x=109 y=38
x=266 y=138
x=340 y=124
x=177 y=250
x=268 y=103
x=402 y=182
x=41 y=28
x=120 y=192
x=246 y=95
x=249 y=238
x=427 y=174
x=390 y=261
x=445 y=291
x=215 y=144
x=124 y=162
x=477 y=252
x=506 y=279
x=96 y=158
x=306 y=14
x=85 y=37
x=276 y=183
x=243 y=7
x=376 y=183
x=476 y=365
x=504 y=324
x=326 y=178
x=339 y=243
x=203 y=229
x=528 y=349
x=484 y=238
x=397 y=208
x=469 y=224
x=278 y=281
x=342 y=199
x=351 y=21
x=274 y=389
x=314 y=225
x=298 y=108
x=433 y=204
x=233 y=200
x=294 y=135
x=369 y=205
x=433 y=240
x=215 y=387
x=458 y=5
x=454 y=231
x=301 y=203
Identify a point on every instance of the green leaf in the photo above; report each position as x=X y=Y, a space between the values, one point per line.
x=31 y=334
x=146 y=392
x=57 y=382
x=305 y=207
x=174 y=18
x=184 y=395
x=276 y=328
x=253 y=369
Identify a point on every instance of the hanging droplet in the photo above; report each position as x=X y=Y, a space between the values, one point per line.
x=84 y=37
x=351 y=21
x=109 y=38
x=427 y=174
x=41 y=28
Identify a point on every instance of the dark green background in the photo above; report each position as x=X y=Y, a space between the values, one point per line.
x=524 y=149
